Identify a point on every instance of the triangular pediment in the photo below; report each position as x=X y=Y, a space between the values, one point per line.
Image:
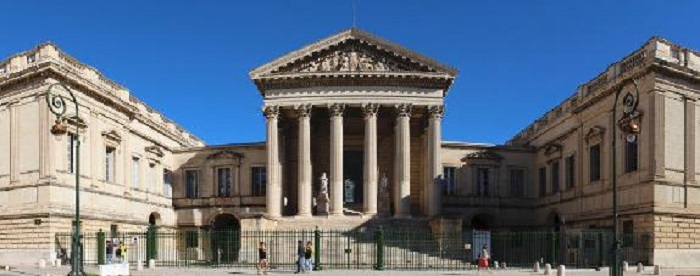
x=352 y=51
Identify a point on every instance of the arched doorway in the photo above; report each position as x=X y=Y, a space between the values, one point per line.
x=225 y=238
x=154 y=219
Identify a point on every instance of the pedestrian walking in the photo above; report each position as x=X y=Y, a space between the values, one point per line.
x=262 y=258
x=308 y=251
x=110 y=252
x=483 y=262
x=300 y=257
x=121 y=253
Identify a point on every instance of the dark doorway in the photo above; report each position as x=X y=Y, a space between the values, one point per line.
x=482 y=222
x=225 y=238
x=353 y=179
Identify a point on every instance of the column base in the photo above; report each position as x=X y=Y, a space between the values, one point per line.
x=303 y=215
x=402 y=216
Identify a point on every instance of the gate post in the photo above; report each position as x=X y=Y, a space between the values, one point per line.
x=317 y=250
x=150 y=243
x=553 y=248
x=101 y=247
x=379 y=238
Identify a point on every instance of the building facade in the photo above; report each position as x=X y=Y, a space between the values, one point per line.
x=353 y=139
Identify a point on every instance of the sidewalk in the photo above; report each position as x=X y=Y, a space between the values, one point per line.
x=236 y=271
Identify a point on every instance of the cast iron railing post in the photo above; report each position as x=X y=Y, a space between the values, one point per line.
x=317 y=250
x=379 y=239
x=101 y=247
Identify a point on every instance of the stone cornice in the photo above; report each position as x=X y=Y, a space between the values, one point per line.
x=59 y=66
x=354 y=79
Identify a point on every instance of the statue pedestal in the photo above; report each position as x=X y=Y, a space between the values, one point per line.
x=322 y=207
x=384 y=205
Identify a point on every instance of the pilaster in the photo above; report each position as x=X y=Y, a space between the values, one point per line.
x=14 y=141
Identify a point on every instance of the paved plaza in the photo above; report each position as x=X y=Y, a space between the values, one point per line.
x=237 y=271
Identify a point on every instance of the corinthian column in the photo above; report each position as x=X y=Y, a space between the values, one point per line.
x=370 y=169
x=274 y=189
x=402 y=204
x=434 y=164
x=304 y=197
x=336 y=115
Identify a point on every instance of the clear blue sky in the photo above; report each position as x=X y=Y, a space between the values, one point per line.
x=190 y=59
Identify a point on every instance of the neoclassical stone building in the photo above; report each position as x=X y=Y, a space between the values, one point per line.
x=366 y=114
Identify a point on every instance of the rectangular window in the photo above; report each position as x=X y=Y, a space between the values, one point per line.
x=594 y=163
x=631 y=151
x=259 y=180
x=570 y=172
x=482 y=181
x=70 y=153
x=135 y=172
x=517 y=182
x=543 y=181
x=152 y=177
x=627 y=233
x=223 y=177
x=114 y=230
x=192 y=183
x=448 y=183
x=192 y=239
x=167 y=183
x=109 y=164
x=555 y=177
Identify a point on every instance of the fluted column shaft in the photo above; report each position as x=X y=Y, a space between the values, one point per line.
x=434 y=190
x=336 y=117
x=274 y=188
x=370 y=164
x=304 y=180
x=403 y=162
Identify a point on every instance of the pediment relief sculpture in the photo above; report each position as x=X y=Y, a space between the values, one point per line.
x=353 y=56
x=224 y=154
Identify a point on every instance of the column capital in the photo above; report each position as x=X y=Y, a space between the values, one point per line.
x=303 y=110
x=336 y=109
x=271 y=111
x=403 y=110
x=436 y=111
x=370 y=110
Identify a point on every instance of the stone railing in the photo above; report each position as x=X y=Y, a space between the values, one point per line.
x=655 y=49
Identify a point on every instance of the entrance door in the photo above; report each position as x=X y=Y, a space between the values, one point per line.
x=352 y=180
x=225 y=238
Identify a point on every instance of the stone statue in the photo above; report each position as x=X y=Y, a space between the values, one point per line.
x=324 y=184
x=322 y=206
x=384 y=184
x=354 y=62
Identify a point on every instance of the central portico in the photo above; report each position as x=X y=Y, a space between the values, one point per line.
x=364 y=111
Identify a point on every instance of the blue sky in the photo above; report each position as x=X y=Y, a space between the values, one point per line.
x=190 y=59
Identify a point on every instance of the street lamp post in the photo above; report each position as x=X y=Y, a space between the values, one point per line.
x=629 y=124
x=57 y=106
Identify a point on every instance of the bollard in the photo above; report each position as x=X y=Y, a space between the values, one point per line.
x=151 y=263
x=547 y=269
x=640 y=268
x=7 y=268
x=561 y=270
x=495 y=264
x=537 y=267
x=42 y=263
x=625 y=266
x=657 y=270
x=58 y=263
x=503 y=265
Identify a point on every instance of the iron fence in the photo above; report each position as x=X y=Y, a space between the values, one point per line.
x=394 y=249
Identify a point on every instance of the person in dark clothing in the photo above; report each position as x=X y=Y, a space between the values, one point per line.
x=300 y=257
x=110 y=252
x=308 y=251
x=262 y=258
